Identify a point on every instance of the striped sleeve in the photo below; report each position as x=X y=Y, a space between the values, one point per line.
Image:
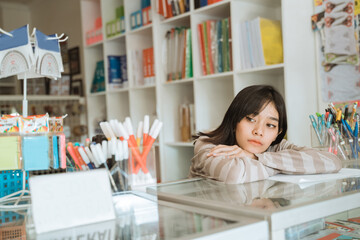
x=291 y=159
x=228 y=170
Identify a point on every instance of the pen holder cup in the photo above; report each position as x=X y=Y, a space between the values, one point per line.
x=345 y=148
x=318 y=138
x=142 y=167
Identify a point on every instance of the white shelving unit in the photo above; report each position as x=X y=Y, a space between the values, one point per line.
x=212 y=94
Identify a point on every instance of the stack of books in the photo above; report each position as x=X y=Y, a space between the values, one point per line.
x=172 y=8
x=215 y=46
x=117 y=72
x=260 y=43
x=178 y=54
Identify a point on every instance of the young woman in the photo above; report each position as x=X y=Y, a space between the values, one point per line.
x=249 y=146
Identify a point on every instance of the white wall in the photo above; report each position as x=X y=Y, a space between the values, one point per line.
x=13 y=16
x=54 y=16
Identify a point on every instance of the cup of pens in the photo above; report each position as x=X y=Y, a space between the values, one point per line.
x=133 y=165
x=142 y=166
x=336 y=132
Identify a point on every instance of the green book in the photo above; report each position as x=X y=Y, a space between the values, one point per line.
x=188 y=60
x=225 y=38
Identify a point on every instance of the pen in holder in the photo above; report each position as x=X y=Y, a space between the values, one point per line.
x=142 y=168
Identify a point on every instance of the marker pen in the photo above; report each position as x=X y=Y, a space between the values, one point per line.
x=105 y=130
x=85 y=157
x=96 y=155
x=91 y=157
x=71 y=151
x=313 y=122
x=104 y=149
x=145 y=128
x=156 y=121
x=81 y=161
x=130 y=131
x=139 y=133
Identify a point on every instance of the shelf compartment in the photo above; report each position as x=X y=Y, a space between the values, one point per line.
x=171 y=99
x=143 y=102
x=213 y=97
x=273 y=77
x=98 y=113
x=117 y=105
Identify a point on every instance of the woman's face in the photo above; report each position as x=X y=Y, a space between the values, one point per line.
x=256 y=133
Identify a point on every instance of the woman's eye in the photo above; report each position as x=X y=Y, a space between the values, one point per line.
x=271 y=125
x=250 y=119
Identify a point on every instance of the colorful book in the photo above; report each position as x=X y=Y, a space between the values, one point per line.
x=206 y=49
x=202 y=48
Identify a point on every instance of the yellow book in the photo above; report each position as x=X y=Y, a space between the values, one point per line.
x=271 y=39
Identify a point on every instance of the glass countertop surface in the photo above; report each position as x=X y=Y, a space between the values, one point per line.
x=265 y=195
x=136 y=218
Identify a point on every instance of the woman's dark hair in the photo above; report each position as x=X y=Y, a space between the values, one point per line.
x=250 y=100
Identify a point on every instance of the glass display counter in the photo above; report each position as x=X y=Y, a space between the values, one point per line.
x=141 y=216
x=283 y=205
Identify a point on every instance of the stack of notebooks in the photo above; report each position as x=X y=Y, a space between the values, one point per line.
x=179 y=54
x=260 y=43
x=215 y=46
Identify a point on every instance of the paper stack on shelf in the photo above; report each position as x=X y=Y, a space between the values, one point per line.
x=178 y=54
x=260 y=43
x=215 y=46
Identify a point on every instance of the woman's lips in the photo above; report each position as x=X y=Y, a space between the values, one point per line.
x=257 y=143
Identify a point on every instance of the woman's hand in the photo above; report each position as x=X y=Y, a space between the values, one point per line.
x=230 y=152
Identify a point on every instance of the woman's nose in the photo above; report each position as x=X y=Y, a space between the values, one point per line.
x=257 y=131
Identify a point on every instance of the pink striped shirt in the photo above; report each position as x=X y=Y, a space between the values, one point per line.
x=281 y=158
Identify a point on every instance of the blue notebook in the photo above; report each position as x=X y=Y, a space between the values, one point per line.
x=35 y=152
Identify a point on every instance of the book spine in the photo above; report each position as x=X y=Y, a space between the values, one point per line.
x=209 y=47
x=206 y=48
x=201 y=48
x=219 y=45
